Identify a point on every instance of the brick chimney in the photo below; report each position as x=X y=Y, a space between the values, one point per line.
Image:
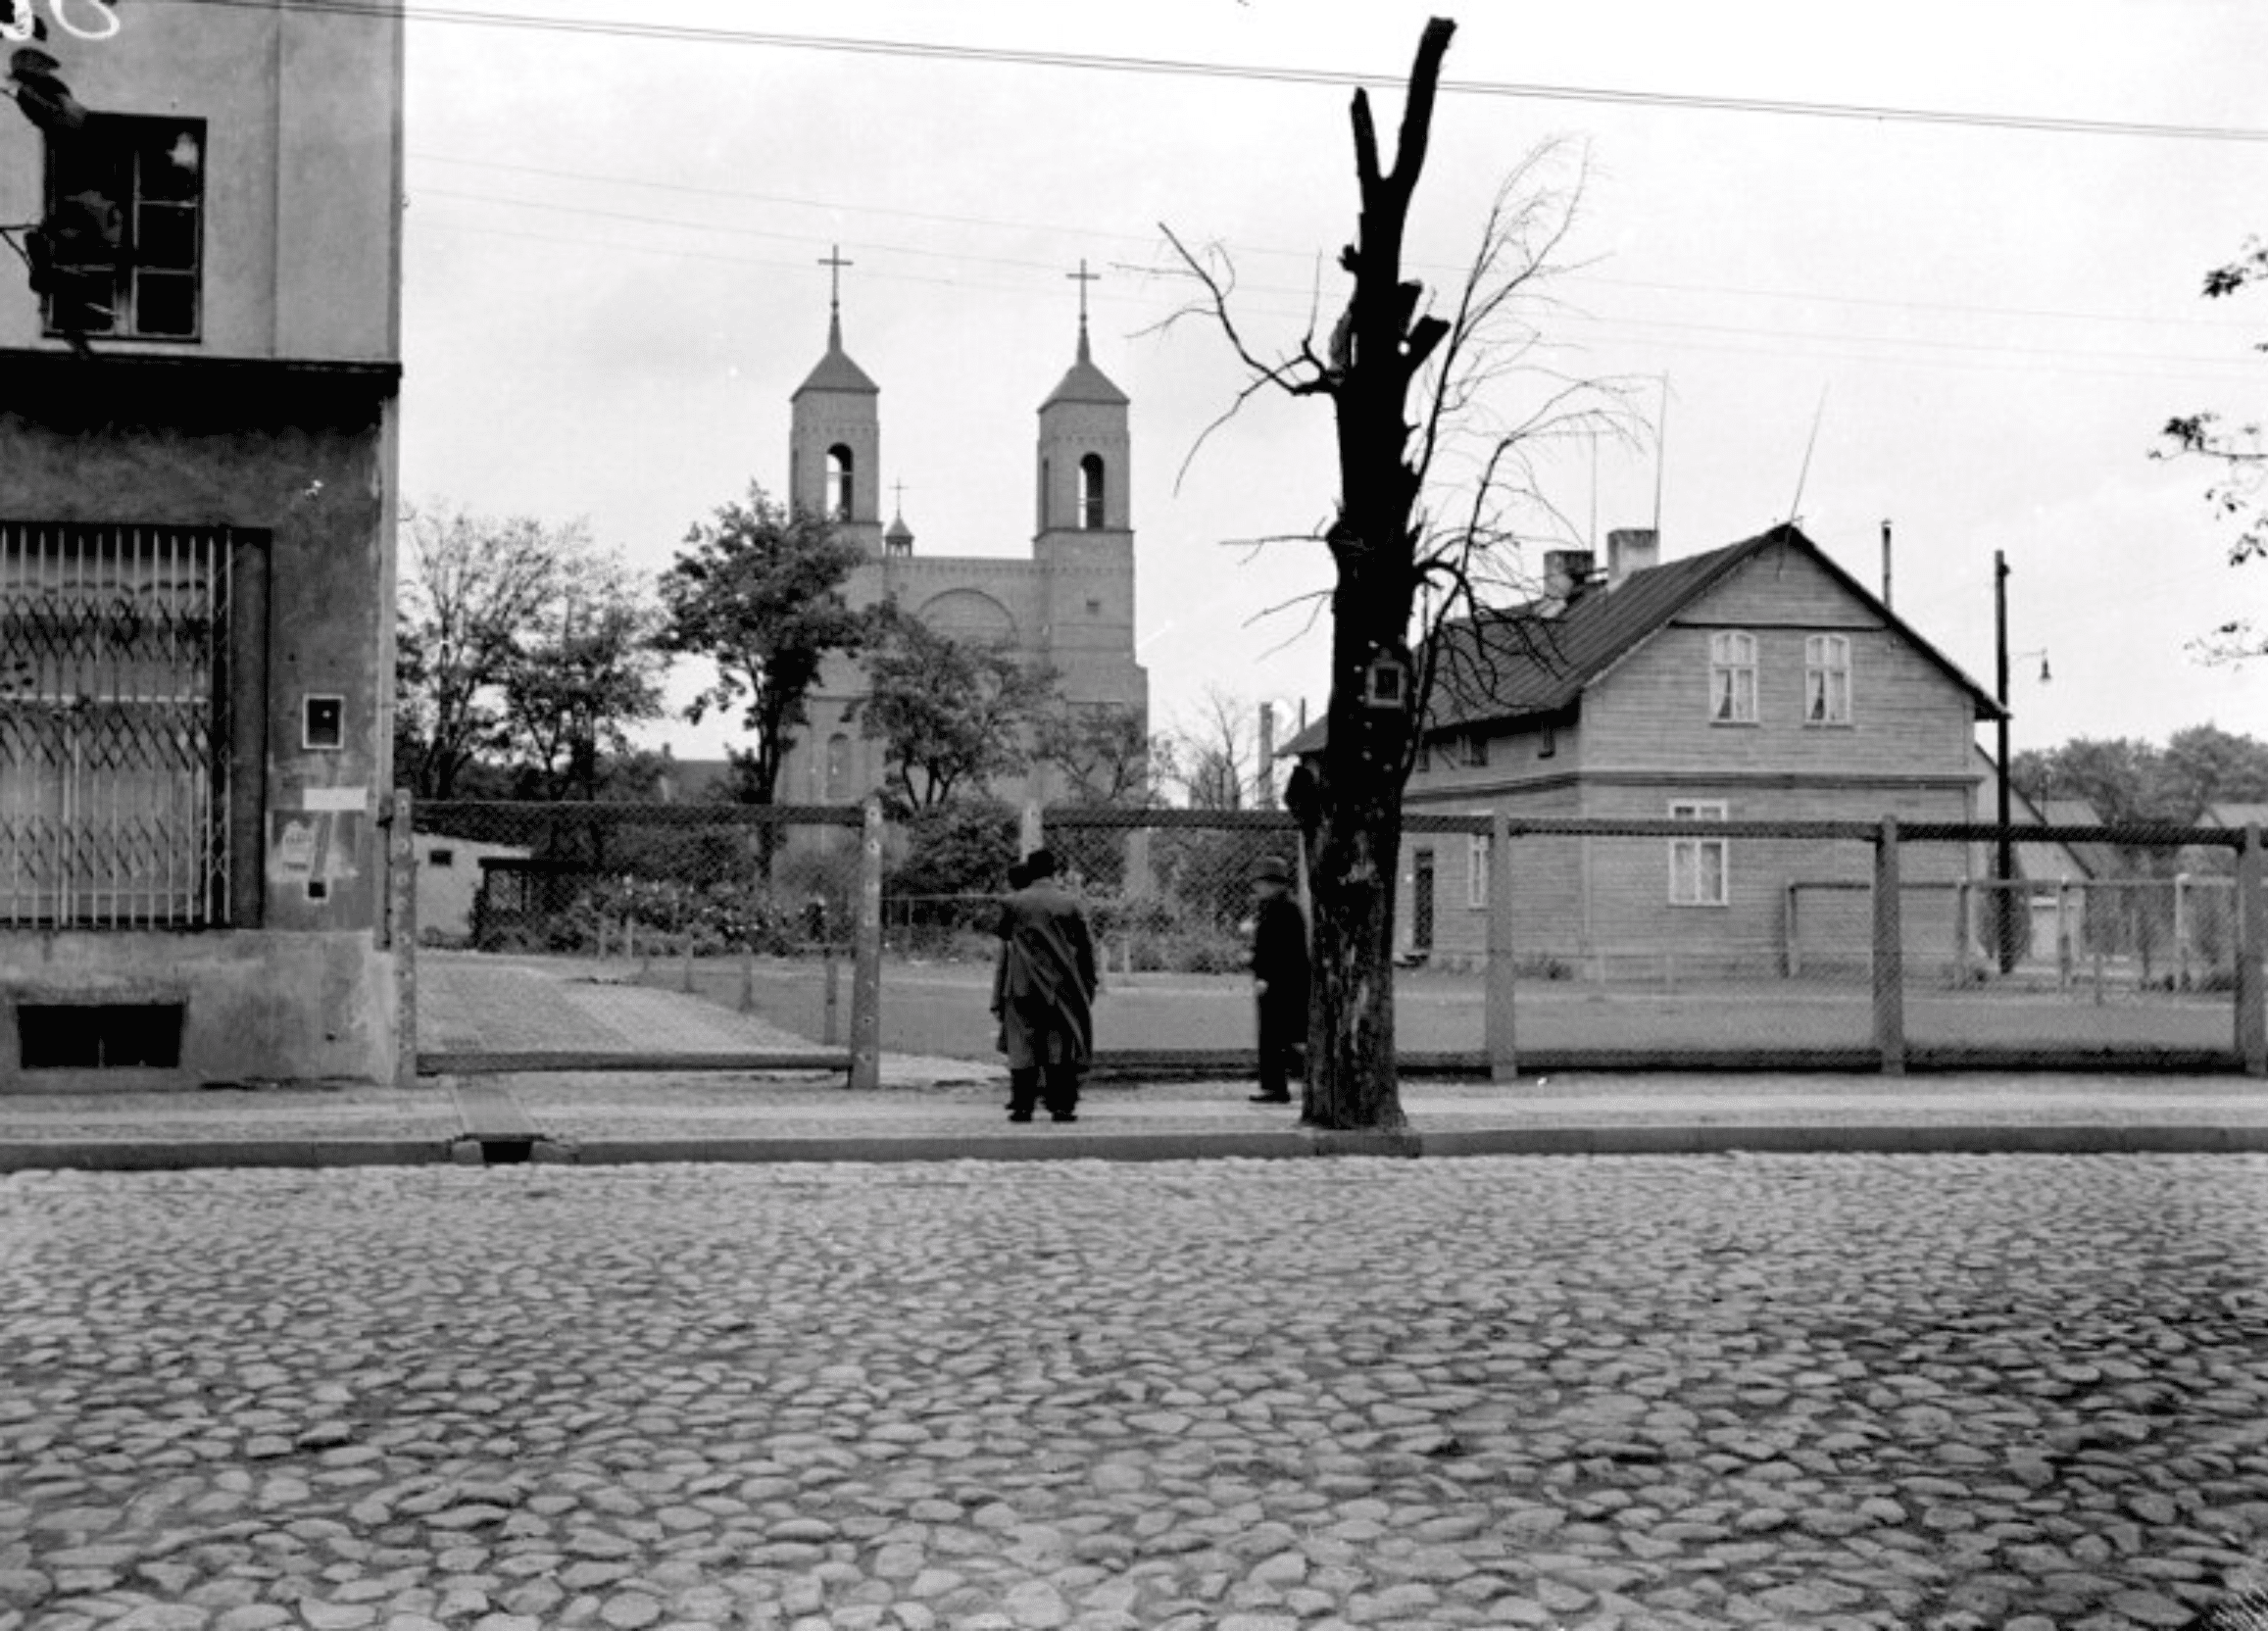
x=1566 y=574
x=1631 y=549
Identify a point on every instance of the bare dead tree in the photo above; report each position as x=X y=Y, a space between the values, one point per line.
x=1440 y=486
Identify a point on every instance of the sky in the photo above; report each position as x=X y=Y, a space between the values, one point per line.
x=1971 y=327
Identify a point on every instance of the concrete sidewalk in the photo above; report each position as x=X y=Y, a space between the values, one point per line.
x=944 y=1111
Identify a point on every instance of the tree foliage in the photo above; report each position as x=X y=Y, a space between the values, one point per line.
x=1106 y=753
x=2239 y=456
x=757 y=589
x=952 y=716
x=2137 y=783
x=571 y=696
x=477 y=592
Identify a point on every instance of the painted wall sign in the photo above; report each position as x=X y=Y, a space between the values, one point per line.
x=335 y=797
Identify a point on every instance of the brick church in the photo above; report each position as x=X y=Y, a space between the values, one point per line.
x=1070 y=603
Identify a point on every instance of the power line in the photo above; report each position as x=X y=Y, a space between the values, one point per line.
x=1625 y=331
x=1196 y=69
x=1149 y=240
x=1572 y=315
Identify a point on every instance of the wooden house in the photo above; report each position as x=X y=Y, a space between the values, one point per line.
x=1758 y=682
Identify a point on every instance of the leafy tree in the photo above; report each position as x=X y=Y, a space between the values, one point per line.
x=2205 y=765
x=1411 y=388
x=571 y=699
x=757 y=590
x=2135 y=783
x=476 y=592
x=951 y=715
x=1104 y=753
x=2236 y=493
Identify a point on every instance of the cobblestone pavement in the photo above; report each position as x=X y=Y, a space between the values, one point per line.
x=2008 y=1392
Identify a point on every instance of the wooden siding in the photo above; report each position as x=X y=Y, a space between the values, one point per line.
x=1643 y=739
x=1651 y=710
x=1625 y=906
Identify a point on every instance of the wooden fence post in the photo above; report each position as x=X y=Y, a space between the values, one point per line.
x=866 y=954
x=2251 y=949
x=1503 y=984
x=402 y=931
x=1889 y=954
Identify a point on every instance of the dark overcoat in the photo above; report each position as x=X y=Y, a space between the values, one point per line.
x=1044 y=985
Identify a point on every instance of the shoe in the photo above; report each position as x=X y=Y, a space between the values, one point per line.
x=1062 y=1117
x=1270 y=1099
x=1019 y=1115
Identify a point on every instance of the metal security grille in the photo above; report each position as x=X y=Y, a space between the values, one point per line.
x=112 y=666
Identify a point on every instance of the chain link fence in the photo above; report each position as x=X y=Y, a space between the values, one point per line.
x=1760 y=944
x=1642 y=944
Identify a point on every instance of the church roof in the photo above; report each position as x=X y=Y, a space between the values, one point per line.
x=836 y=372
x=1086 y=382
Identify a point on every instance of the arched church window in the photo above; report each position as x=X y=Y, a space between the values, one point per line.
x=1091 y=492
x=839 y=469
x=838 y=768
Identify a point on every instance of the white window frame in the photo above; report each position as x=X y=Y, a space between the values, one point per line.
x=1476 y=871
x=1826 y=680
x=1732 y=677
x=1688 y=876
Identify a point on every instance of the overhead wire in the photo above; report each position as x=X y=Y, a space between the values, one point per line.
x=1199 y=69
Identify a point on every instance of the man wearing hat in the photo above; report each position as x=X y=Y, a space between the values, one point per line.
x=1044 y=991
x=1279 y=978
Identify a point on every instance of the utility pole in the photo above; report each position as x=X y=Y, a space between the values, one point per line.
x=2006 y=862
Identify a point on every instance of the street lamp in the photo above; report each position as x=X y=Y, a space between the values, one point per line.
x=2005 y=871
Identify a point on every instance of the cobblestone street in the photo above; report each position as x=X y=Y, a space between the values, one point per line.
x=2009 y=1392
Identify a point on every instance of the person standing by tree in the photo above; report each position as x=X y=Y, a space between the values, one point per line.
x=1279 y=978
x=1044 y=993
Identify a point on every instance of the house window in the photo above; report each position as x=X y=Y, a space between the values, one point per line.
x=441 y=858
x=1476 y=870
x=1732 y=679
x=1476 y=751
x=1697 y=865
x=114 y=806
x=1091 y=492
x=1548 y=742
x=1424 y=756
x=125 y=225
x=1094 y=606
x=1827 y=679
x=840 y=468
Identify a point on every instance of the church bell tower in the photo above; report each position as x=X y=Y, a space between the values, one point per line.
x=835 y=435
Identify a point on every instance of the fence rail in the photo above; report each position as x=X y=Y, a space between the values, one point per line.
x=1526 y=944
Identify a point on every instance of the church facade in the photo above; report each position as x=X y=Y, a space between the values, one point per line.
x=1070 y=605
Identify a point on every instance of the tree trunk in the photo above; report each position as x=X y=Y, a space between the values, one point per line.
x=1355 y=822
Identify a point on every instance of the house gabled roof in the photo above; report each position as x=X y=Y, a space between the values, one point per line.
x=2234 y=815
x=1524 y=661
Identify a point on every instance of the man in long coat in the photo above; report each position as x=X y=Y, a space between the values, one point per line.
x=1279 y=980
x=1044 y=992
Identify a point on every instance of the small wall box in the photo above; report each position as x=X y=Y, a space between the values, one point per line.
x=1386 y=683
x=324 y=724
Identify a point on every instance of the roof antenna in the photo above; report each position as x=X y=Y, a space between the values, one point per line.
x=1795 y=506
x=1660 y=457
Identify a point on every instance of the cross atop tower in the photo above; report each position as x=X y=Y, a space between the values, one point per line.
x=833 y=260
x=1083 y=278
x=898 y=496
